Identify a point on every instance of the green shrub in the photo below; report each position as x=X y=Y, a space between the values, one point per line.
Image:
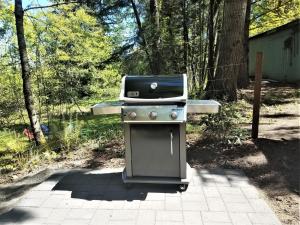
x=64 y=134
x=227 y=124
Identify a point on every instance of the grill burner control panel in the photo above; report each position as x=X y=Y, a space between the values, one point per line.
x=154 y=114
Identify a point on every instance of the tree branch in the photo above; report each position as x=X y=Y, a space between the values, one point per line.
x=140 y=30
x=115 y=55
x=267 y=11
x=52 y=5
x=136 y=14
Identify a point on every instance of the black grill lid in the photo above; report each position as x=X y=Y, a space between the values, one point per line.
x=154 y=87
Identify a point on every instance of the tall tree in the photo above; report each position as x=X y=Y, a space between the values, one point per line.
x=210 y=24
x=155 y=40
x=212 y=38
x=140 y=32
x=185 y=34
x=243 y=77
x=231 y=56
x=28 y=96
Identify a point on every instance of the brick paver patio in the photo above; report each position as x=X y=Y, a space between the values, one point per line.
x=98 y=197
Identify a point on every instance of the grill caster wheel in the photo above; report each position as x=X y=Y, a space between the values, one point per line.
x=182 y=187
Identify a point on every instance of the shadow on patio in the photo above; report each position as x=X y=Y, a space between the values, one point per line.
x=107 y=186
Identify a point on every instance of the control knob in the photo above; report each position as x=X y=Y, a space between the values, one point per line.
x=173 y=115
x=153 y=115
x=132 y=115
x=153 y=85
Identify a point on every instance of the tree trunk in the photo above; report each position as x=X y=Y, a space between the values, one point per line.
x=185 y=34
x=201 y=41
x=212 y=33
x=28 y=97
x=211 y=41
x=154 y=20
x=169 y=45
x=243 y=78
x=141 y=32
x=231 y=53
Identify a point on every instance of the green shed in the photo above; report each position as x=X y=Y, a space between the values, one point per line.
x=281 y=53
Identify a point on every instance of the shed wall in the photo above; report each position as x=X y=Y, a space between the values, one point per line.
x=281 y=55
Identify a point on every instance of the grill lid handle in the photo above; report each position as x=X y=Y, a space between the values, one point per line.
x=171 y=138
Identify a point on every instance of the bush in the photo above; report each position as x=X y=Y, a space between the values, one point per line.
x=64 y=135
x=226 y=125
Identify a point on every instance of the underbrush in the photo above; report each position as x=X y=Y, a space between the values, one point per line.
x=73 y=131
x=225 y=126
x=66 y=134
x=12 y=144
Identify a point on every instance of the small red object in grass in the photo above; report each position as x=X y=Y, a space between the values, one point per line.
x=28 y=133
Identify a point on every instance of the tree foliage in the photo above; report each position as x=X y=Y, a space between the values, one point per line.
x=268 y=14
x=65 y=48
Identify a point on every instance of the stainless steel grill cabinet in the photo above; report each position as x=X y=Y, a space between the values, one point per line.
x=154 y=113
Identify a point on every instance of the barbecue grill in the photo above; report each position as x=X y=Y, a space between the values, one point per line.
x=154 y=113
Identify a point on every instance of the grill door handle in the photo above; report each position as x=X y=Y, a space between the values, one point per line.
x=171 y=138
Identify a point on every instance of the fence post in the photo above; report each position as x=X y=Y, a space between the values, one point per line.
x=257 y=90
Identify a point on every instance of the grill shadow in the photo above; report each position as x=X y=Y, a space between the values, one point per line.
x=108 y=186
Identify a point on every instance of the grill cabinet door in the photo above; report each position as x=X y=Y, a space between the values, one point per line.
x=155 y=150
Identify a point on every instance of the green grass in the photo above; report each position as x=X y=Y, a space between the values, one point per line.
x=73 y=131
x=12 y=142
x=66 y=134
x=100 y=127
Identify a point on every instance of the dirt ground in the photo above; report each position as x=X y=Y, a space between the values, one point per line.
x=271 y=161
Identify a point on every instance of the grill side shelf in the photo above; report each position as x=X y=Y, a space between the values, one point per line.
x=106 y=108
x=203 y=106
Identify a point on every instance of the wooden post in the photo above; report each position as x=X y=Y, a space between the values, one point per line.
x=257 y=90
